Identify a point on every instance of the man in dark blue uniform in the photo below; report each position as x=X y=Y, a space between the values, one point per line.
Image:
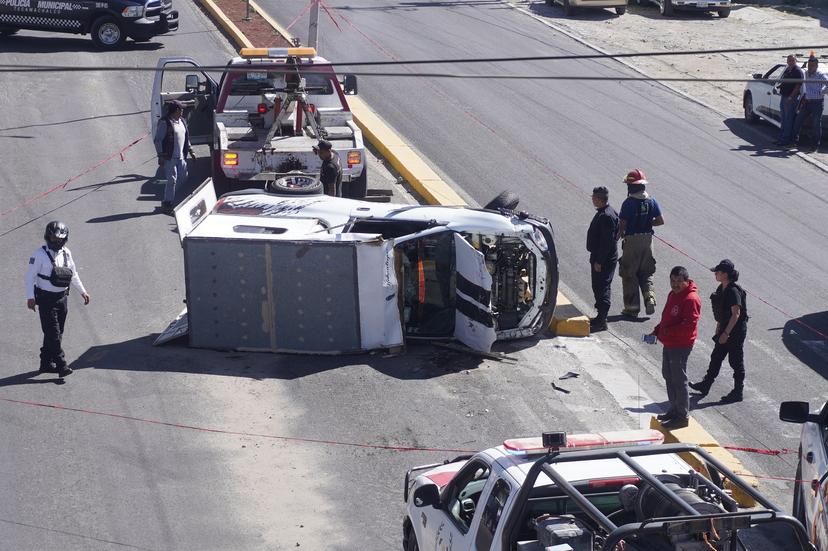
x=603 y=255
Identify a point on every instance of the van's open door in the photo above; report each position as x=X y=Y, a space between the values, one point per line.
x=474 y=320
x=198 y=96
x=195 y=208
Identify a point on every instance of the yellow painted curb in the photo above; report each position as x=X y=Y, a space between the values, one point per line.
x=695 y=434
x=228 y=26
x=568 y=321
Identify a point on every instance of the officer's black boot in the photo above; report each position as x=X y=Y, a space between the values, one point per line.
x=735 y=395
x=47 y=367
x=702 y=387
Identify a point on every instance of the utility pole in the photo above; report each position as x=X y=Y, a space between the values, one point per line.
x=313 y=28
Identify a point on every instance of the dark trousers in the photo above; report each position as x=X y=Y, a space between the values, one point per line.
x=811 y=111
x=734 y=351
x=601 y=287
x=52 y=308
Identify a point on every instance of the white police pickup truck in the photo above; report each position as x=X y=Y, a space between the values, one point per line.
x=611 y=491
x=109 y=22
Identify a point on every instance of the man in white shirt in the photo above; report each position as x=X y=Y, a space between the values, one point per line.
x=814 y=88
x=51 y=272
x=172 y=143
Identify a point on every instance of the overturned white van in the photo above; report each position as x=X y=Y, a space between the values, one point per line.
x=289 y=272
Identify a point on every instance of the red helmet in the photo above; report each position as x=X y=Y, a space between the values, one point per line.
x=636 y=176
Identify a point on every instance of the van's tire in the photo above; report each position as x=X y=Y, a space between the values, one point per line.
x=666 y=8
x=281 y=187
x=568 y=8
x=412 y=542
x=505 y=200
x=724 y=12
x=7 y=31
x=620 y=10
x=107 y=34
x=358 y=189
x=747 y=103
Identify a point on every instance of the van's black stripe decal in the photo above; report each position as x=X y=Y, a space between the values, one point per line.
x=472 y=311
x=474 y=291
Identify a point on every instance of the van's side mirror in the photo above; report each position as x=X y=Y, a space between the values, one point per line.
x=350 y=85
x=191 y=83
x=794 y=412
x=757 y=75
x=427 y=495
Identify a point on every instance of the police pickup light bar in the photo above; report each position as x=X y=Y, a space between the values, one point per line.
x=611 y=439
x=277 y=53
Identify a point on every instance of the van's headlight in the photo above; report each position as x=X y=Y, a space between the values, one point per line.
x=133 y=11
x=540 y=240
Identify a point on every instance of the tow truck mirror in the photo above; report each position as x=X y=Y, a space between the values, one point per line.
x=191 y=83
x=794 y=412
x=757 y=75
x=350 y=85
x=427 y=495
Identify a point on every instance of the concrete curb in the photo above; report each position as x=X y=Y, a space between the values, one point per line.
x=805 y=157
x=567 y=321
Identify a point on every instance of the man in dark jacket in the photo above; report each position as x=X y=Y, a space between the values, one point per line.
x=603 y=255
x=331 y=171
x=172 y=143
x=677 y=331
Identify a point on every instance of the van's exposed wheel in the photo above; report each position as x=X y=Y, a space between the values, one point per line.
x=358 y=188
x=505 y=200
x=750 y=116
x=666 y=8
x=621 y=10
x=7 y=31
x=568 y=8
x=295 y=185
x=412 y=542
x=724 y=12
x=107 y=34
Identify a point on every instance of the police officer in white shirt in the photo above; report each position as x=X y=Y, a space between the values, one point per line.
x=51 y=272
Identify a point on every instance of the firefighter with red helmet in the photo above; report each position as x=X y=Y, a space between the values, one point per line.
x=639 y=213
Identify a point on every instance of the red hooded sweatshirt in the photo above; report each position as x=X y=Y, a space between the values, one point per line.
x=680 y=318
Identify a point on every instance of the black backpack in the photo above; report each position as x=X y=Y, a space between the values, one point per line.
x=60 y=276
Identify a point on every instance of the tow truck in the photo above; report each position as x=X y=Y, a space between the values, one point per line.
x=609 y=491
x=265 y=114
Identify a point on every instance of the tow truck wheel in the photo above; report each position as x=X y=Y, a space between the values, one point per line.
x=106 y=33
x=505 y=200
x=7 y=31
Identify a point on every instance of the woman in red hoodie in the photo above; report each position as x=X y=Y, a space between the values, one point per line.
x=677 y=332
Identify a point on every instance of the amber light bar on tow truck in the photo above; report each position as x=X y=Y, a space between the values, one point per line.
x=277 y=53
x=560 y=441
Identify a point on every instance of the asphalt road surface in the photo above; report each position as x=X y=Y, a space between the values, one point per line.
x=123 y=462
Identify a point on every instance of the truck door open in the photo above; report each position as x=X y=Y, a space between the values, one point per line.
x=474 y=320
x=194 y=88
x=190 y=212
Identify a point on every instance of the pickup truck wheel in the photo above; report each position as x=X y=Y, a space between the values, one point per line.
x=107 y=34
x=6 y=31
x=621 y=10
x=724 y=12
x=295 y=185
x=750 y=116
x=666 y=8
x=568 y=8
x=505 y=200
x=357 y=189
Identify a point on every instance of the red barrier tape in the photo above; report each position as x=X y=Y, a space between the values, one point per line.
x=783 y=451
x=86 y=171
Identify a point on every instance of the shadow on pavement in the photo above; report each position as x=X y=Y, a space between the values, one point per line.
x=28 y=379
x=759 y=138
x=421 y=361
x=806 y=338
x=581 y=14
x=23 y=44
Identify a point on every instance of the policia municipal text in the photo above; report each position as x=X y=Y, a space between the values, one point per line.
x=51 y=272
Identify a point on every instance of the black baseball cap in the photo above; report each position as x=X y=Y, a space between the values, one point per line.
x=725 y=266
x=324 y=144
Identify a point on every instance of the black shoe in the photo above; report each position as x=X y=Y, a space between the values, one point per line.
x=596 y=324
x=665 y=416
x=64 y=371
x=628 y=314
x=701 y=387
x=732 y=397
x=48 y=368
x=675 y=423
